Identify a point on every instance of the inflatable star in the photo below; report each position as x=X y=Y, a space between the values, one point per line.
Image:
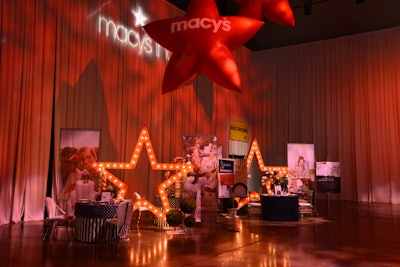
x=201 y=43
x=278 y=11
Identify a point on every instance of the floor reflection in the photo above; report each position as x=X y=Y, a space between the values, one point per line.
x=352 y=235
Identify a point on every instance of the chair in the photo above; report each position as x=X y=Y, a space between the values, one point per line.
x=306 y=206
x=239 y=191
x=121 y=223
x=254 y=202
x=57 y=218
x=140 y=209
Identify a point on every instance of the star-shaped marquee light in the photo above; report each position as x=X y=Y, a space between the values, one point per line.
x=140 y=17
x=278 y=11
x=201 y=43
x=255 y=150
x=144 y=140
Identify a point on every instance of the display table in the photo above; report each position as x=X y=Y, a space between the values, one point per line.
x=280 y=208
x=90 y=221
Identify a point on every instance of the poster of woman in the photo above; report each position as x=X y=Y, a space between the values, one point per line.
x=78 y=179
x=301 y=166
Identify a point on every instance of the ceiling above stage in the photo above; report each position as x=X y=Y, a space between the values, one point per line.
x=318 y=20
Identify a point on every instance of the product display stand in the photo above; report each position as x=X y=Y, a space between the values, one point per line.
x=232 y=216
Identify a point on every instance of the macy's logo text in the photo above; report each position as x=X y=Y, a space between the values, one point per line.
x=201 y=23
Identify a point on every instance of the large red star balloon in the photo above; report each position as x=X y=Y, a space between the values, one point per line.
x=278 y=11
x=202 y=43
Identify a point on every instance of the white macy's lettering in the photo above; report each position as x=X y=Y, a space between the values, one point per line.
x=128 y=36
x=204 y=23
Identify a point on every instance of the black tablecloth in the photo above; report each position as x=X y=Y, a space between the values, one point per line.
x=95 y=210
x=280 y=208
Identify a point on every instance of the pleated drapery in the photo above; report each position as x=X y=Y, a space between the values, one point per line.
x=59 y=69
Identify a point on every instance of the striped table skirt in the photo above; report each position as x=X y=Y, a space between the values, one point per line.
x=90 y=225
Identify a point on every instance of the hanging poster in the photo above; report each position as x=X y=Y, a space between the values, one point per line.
x=301 y=170
x=239 y=131
x=328 y=177
x=78 y=179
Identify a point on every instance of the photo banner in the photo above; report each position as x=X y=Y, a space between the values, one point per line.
x=202 y=151
x=77 y=178
x=226 y=176
x=328 y=177
x=301 y=167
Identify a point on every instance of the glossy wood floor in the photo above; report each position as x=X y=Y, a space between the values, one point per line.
x=344 y=234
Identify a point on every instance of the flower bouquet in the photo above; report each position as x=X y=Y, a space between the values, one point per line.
x=275 y=182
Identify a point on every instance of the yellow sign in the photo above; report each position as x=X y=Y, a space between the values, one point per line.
x=239 y=131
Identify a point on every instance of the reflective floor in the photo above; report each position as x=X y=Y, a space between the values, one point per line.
x=343 y=234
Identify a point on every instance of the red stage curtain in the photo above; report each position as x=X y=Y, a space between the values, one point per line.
x=341 y=95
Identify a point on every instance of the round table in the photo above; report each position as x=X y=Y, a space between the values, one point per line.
x=90 y=220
